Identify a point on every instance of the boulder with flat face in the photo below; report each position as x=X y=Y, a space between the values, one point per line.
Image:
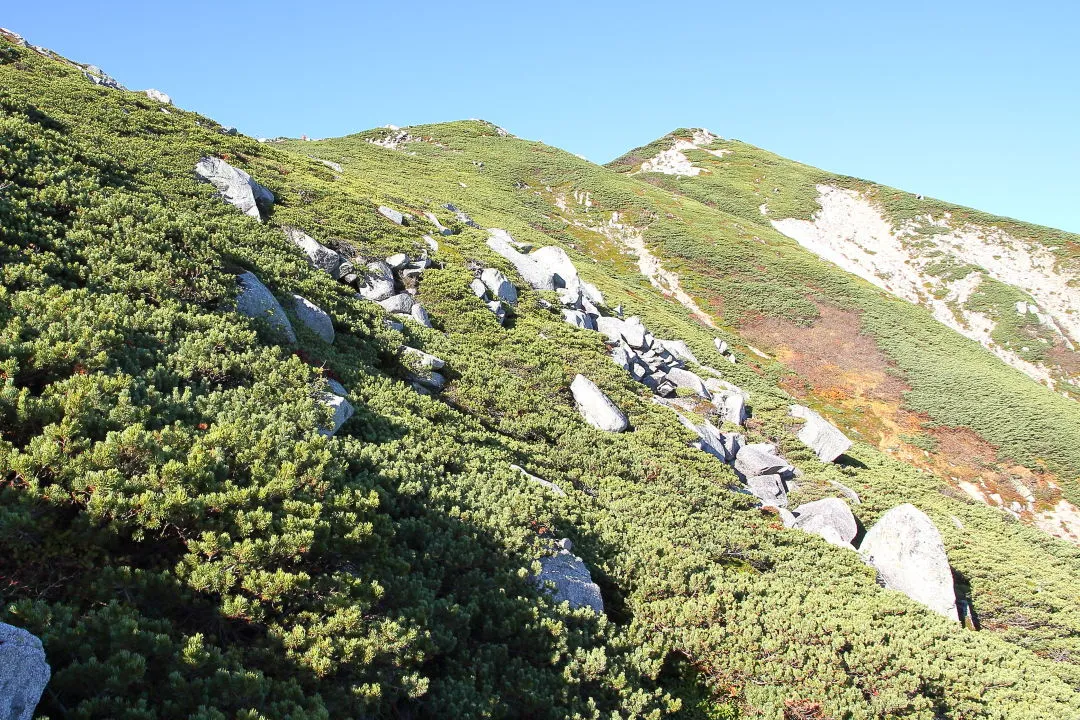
x=686 y=379
x=500 y=287
x=392 y=215
x=611 y=327
x=159 y=96
x=322 y=257
x=633 y=333
x=824 y=438
x=830 y=518
x=479 y=289
x=378 y=282
x=769 y=489
x=596 y=407
x=420 y=315
x=732 y=406
x=314 y=317
x=579 y=319
x=908 y=553
x=555 y=261
x=569 y=579
x=256 y=301
x=235 y=186
x=679 y=349
x=536 y=274
x=342 y=408
x=400 y=303
x=760 y=459
x=24 y=673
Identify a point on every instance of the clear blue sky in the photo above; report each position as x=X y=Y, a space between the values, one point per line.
x=972 y=102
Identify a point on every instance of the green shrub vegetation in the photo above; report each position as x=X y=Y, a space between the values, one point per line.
x=186 y=543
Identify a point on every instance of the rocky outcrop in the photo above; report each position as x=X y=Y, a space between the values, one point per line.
x=342 y=408
x=824 y=438
x=235 y=186
x=256 y=301
x=567 y=579
x=322 y=257
x=461 y=215
x=314 y=318
x=691 y=381
x=24 y=672
x=830 y=518
x=595 y=406
x=438 y=225
x=907 y=551
x=159 y=96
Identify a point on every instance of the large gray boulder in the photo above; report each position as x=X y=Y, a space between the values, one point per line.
x=534 y=273
x=634 y=333
x=760 y=459
x=579 y=319
x=686 y=379
x=710 y=439
x=314 y=317
x=500 y=287
x=769 y=489
x=256 y=301
x=595 y=406
x=611 y=327
x=235 y=186
x=732 y=406
x=400 y=303
x=679 y=349
x=570 y=579
x=378 y=281
x=23 y=673
x=558 y=264
x=906 y=549
x=322 y=257
x=335 y=400
x=830 y=518
x=479 y=289
x=824 y=438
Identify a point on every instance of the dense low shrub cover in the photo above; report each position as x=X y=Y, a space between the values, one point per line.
x=187 y=544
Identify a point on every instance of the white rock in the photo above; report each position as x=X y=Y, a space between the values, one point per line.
x=24 y=673
x=479 y=288
x=542 y=482
x=721 y=346
x=686 y=379
x=611 y=327
x=314 y=317
x=579 y=319
x=906 y=549
x=500 y=287
x=534 y=273
x=256 y=301
x=595 y=406
x=379 y=282
x=769 y=489
x=318 y=254
x=392 y=215
x=159 y=96
x=397 y=260
x=823 y=437
x=679 y=349
x=760 y=459
x=235 y=186
x=833 y=514
x=733 y=407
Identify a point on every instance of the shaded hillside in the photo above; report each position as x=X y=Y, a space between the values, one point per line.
x=188 y=541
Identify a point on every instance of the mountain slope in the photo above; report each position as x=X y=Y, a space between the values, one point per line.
x=186 y=542
x=930 y=261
